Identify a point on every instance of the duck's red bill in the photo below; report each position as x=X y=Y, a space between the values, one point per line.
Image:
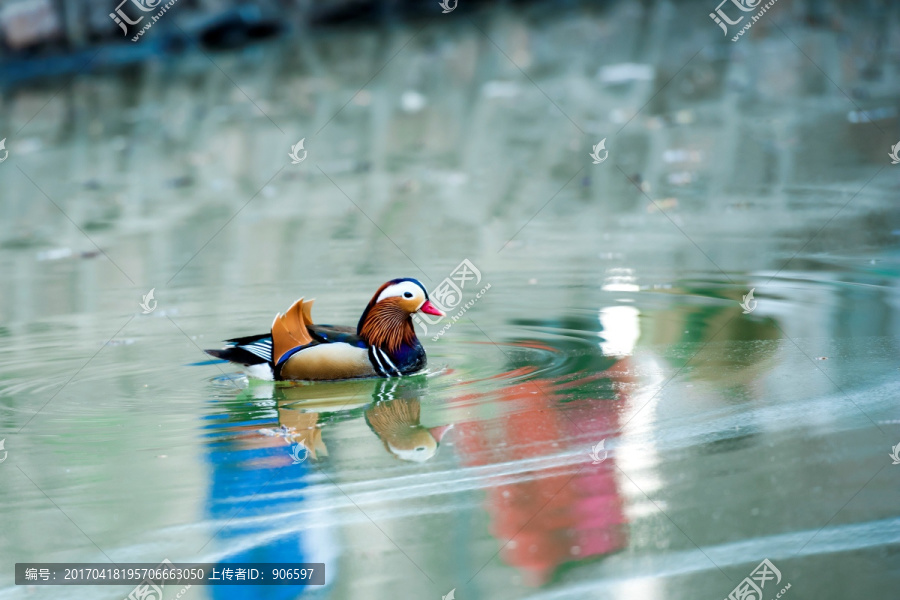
x=431 y=309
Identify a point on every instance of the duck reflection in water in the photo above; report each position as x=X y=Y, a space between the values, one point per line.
x=397 y=423
x=258 y=473
x=394 y=415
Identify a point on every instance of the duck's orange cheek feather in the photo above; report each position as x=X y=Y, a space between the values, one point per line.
x=409 y=305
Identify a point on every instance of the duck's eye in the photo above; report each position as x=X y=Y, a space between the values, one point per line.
x=407 y=294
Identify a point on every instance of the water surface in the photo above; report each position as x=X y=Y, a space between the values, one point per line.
x=613 y=313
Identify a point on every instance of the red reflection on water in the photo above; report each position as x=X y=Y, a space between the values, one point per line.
x=558 y=514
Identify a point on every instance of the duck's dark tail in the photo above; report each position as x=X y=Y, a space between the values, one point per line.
x=250 y=350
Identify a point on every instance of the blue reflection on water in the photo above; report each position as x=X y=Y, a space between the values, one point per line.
x=253 y=476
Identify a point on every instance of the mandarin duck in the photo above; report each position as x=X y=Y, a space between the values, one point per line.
x=383 y=344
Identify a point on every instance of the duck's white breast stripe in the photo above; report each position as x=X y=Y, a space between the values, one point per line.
x=388 y=361
x=376 y=362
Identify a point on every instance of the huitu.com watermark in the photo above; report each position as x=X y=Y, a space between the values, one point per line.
x=148 y=303
x=123 y=20
x=724 y=21
x=749 y=304
x=752 y=587
x=595 y=152
x=448 y=295
x=152 y=590
x=598 y=452
x=296 y=158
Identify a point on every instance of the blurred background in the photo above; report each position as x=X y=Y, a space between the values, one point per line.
x=613 y=417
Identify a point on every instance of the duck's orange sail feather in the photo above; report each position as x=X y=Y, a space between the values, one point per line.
x=291 y=329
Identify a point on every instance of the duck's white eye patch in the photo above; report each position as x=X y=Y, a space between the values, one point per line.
x=404 y=289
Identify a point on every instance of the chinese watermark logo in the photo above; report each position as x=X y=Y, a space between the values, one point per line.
x=749 y=304
x=445 y=4
x=147 y=589
x=751 y=588
x=6 y=453
x=722 y=20
x=122 y=20
x=296 y=159
x=295 y=453
x=146 y=302
x=599 y=453
x=6 y=152
x=894 y=151
x=895 y=456
x=596 y=152
x=448 y=295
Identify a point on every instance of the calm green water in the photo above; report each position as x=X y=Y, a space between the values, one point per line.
x=613 y=314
